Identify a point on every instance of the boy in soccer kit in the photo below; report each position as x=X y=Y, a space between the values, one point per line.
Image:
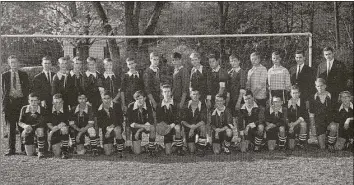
x=199 y=77
x=58 y=122
x=32 y=120
x=140 y=118
x=152 y=80
x=91 y=83
x=250 y=125
x=321 y=115
x=110 y=119
x=109 y=81
x=82 y=124
x=194 y=121
x=221 y=124
x=168 y=120
x=297 y=116
x=276 y=124
x=75 y=82
x=278 y=78
x=180 y=87
x=344 y=118
x=60 y=80
x=217 y=79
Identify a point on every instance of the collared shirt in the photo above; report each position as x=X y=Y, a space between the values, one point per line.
x=327 y=95
x=279 y=78
x=60 y=75
x=167 y=104
x=329 y=65
x=342 y=107
x=136 y=74
x=298 y=69
x=234 y=70
x=194 y=69
x=290 y=103
x=29 y=109
x=101 y=106
x=136 y=106
x=216 y=69
x=61 y=110
x=257 y=80
x=72 y=73
x=47 y=74
x=199 y=106
x=15 y=92
x=218 y=111
x=155 y=69
x=176 y=70
x=271 y=110
x=88 y=73
x=249 y=110
x=77 y=109
x=108 y=74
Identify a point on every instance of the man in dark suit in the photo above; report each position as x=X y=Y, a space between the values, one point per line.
x=303 y=76
x=334 y=72
x=15 y=88
x=42 y=83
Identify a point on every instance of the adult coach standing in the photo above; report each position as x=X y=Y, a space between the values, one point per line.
x=15 y=92
x=334 y=72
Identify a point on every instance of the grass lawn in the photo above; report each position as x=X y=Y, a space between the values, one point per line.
x=309 y=167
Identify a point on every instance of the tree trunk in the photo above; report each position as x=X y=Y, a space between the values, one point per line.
x=112 y=43
x=223 y=13
x=336 y=19
x=132 y=14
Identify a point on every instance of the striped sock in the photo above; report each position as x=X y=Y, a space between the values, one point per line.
x=179 y=142
x=93 y=143
x=120 y=145
x=151 y=144
x=40 y=142
x=258 y=141
x=302 y=138
x=202 y=141
x=332 y=140
x=282 y=141
x=73 y=141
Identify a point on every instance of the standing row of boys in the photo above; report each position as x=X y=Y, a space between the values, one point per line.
x=70 y=105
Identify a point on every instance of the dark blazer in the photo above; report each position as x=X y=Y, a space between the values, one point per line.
x=6 y=86
x=336 y=79
x=305 y=80
x=42 y=87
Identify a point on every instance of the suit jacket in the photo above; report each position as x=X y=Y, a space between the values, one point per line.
x=42 y=87
x=6 y=86
x=336 y=79
x=305 y=80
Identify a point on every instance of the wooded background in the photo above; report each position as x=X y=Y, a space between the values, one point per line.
x=331 y=24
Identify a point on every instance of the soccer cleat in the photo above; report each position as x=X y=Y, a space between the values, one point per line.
x=256 y=148
x=120 y=154
x=331 y=148
x=95 y=152
x=40 y=155
x=64 y=155
x=180 y=152
x=227 y=151
x=9 y=153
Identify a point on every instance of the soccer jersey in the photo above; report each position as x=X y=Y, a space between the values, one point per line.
x=83 y=117
x=195 y=116
x=167 y=112
x=297 y=110
x=221 y=118
x=130 y=84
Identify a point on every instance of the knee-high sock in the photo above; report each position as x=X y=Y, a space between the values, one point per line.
x=120 y=144
x=332 y=140
x=179 y=142
x=93 y=143
x=151 y=143
x=282 y=141
x=202 y=142
x=40 y=141
x=65 y=142
x=258 y=140
x=302 y=138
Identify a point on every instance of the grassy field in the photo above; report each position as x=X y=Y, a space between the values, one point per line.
x=310 y=167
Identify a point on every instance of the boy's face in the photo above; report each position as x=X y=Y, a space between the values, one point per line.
x=131 y=65
x=166 y=93
x=82 y=99
x=63 y=65
x=277 y=102
x=234 y=62
x=176 y=62
x=154 y=61
x=47 y=64
x=13 y=63
x=320 y=87
x=140 y=100
x=195 y=61
x=91 y=66
x=345 y=98
x=248 y=99
x=33 y=101
x=255 y=60
x=328 y=55
x=219 y=102
x=108 y=66
x=106 y=99
x=276 y=59
x=299 y=58
x=77 y=65
x=194 y=95
x=57 y=102
x=295 y=93
x=213 y=63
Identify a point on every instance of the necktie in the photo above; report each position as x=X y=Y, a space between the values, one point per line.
x=48 y=76
x=14 y=80
x=328 y=68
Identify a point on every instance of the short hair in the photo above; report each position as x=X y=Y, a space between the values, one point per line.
x=321 y=80
x=57 y=96
x=154 y=54
x=33 y=94
x=138 y=93
x=328 y=48
x=176 y=55
x=300 y=51
x=81 y=93
x=61 y=59
x=278 y=52
x=220 y=96
x=277 y=97
x=248 y=92
x=191 y=90
x=256 y=54
x=107 y=60
x=12 y=57
x=107 y=93
x=213 y=56
x=343 y=93
x=234 y=56
x=165 y=86
x=195 y=54
x=90 y=59
x=295 y=87
x=46 y=58
x=130 y=59
x=75 y=59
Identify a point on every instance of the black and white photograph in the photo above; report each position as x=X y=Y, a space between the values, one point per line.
x=176 y=92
